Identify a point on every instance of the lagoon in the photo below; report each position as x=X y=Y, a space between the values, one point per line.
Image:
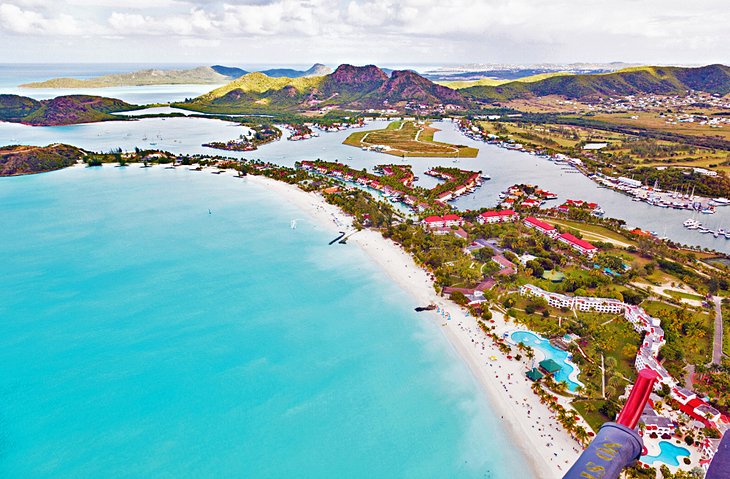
x=186 y=136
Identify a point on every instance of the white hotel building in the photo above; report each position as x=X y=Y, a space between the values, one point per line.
x=653 y=340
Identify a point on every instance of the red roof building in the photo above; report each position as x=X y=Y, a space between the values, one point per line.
x=452 y=220
x=541 y=226
x=497 y=216
x=582 y=246
x=433 y=222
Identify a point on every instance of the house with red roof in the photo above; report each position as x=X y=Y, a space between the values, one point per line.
x=433 y=222
x=501 y=216
x=453 y=220
x=541 y=226
x=582 y=246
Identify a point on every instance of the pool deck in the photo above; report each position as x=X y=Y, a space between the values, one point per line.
x=653 y=449
x=540 y=354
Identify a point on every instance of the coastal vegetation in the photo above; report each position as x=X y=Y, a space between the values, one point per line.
x=496 y=259
x=408 y=138
x=670 y=160
x=24 y=160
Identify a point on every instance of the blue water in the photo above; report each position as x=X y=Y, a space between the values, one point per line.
x=141 y=336
x=186 y=136
x=668 y=454
x=551 y=352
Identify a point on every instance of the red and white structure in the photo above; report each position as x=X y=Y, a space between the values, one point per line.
x=446 y=221
x=582 y=246
x=541 y=226
x=653 y=339
x=502 y=216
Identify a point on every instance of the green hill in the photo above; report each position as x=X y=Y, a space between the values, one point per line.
x=657 y=80
x=62 y=110
x=23 y=160
x=459 y=84
x=347 y=87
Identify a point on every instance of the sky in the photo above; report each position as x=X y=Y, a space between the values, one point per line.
x=383 y=32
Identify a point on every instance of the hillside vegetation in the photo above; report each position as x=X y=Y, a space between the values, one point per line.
x=23 y=160
x=62 y=110
x=459 y=84
x=347 y=87
x=657 y=80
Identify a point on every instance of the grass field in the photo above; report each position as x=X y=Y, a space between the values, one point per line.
x=594 y=232
x=409 y=139
x=680 y=295
x=589 y=409
x=564 y=138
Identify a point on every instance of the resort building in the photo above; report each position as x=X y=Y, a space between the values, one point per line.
x=534 y=375
x=644 y=359
x=541 y=226
x=453 y=220
x=599 y=305
x=549 y=367
x=433 y=222
x=653 y=340
x=655 y=423
x=702 y=412
x=556 y=300
x=442 y=221
x=502 y=216
x=582 y=246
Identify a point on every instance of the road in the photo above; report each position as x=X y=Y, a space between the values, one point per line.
x=717 y=341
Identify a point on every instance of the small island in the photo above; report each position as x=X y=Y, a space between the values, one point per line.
x=62 y=110
x=408 y=138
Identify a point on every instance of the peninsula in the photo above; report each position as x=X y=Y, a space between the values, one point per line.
x=408 y=138
x=203 y=75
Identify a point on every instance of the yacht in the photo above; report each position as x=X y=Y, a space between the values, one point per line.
x=691 y=224
x=598 y=211
x=486 y=177
x=720 y=202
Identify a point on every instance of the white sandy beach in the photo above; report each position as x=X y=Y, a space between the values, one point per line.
x=550 y=450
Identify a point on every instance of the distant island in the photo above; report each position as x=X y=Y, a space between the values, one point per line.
x=204 y=75
x=62 y=110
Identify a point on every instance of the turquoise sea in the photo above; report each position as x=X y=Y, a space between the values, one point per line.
x=142 y=337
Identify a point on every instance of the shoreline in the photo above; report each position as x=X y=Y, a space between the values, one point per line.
x=531 y=426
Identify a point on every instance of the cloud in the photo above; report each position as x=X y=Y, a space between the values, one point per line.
x=427 y=30
x=14 y=19
x=196 y=22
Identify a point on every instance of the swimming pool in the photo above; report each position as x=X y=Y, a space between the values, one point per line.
x=568 y=371
x=669 y=454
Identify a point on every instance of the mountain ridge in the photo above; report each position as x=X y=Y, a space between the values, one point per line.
x=203 y=75
x=347 y=87
x=636 y=80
